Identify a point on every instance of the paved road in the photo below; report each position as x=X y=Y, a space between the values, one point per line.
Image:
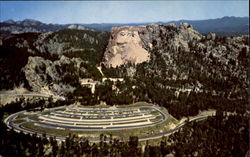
x=55 y=126
x=79 y=121
x=32 y=94
x=143 y=138
x=18 y=128
x=50 y=125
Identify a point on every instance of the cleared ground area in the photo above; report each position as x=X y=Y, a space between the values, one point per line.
x=140 y=119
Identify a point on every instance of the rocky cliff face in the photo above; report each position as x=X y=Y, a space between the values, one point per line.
x=41 y=53
x=181 y=53
x=57 y=43
x=51 y=77
x=125 y=45
x=131 y=44
x=159 y=52
x=186 y=53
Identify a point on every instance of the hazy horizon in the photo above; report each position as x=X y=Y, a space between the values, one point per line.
x=89 y=12
x=127 y=22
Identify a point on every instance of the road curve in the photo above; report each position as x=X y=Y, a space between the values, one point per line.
x=32 y=94
x=18 y=128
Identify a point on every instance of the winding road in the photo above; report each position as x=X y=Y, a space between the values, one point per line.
x=17 y=127
x=31 y=95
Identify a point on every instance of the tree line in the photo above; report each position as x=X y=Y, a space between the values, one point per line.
x=220 y=135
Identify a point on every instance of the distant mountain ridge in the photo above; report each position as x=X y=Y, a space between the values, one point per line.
x=221 y=26
x=225 y=26
x=30 y=25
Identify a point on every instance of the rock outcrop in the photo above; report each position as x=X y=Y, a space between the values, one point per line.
x=48 y=76
x=165 y=52
x=78 y=27
x=182 y=53
x=125 y=45
x=46 y=49
x=132 y=44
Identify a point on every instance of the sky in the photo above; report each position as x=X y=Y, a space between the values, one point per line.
x=63 y=12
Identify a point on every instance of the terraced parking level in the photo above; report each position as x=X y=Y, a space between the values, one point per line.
x=88 y=120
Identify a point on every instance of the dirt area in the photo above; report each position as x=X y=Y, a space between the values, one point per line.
x=17 y=90
x=5 y=99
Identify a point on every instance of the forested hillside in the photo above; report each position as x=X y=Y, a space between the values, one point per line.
x=17 y=49
x=220 y=135
x=186 y=72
